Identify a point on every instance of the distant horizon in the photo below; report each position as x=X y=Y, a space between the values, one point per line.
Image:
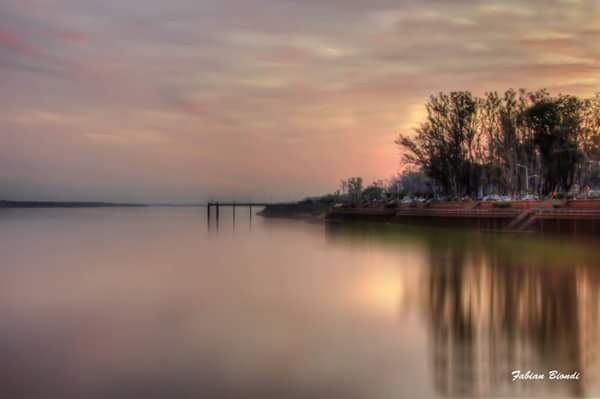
x=137 y=203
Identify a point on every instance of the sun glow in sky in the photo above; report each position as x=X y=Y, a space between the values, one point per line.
x=148 y=100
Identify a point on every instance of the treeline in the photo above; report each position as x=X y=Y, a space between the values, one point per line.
x=508 y=143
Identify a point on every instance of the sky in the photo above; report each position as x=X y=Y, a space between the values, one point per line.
x=188 y=100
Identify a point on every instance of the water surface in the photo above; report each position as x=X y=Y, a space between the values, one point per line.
x=152 y=303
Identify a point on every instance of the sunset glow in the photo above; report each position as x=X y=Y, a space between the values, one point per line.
x=254 y=99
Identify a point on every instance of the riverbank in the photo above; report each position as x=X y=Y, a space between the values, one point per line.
x=574 y=216
x=296 y=210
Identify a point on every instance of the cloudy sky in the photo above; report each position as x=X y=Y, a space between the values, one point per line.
x=181 y=100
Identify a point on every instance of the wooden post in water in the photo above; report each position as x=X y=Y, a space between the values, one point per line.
x=217 y=205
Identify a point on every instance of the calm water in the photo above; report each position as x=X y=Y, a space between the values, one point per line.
x=150 y=303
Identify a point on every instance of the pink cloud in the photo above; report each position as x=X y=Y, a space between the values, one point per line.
x=12 y=42
x=72 y=37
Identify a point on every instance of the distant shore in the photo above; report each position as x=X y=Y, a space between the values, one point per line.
x=69 y=204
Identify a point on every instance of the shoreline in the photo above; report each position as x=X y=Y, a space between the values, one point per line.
x=572 y=217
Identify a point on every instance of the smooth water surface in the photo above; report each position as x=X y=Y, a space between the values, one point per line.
x=154 y=303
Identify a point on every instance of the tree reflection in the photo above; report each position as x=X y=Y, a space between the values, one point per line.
x=492 y=310
x=498 y=303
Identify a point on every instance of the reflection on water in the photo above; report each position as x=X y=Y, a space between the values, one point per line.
x=148 y=303
x=495 y=305
x=213 y=215
x=493 y=310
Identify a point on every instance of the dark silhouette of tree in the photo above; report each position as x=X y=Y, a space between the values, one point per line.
x=411 y=183
x=446 y=144
x=354 y=188
x=499 y=143
x=556 y=128
x=375 y=191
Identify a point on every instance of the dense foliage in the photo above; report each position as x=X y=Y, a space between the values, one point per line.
x=511 y=143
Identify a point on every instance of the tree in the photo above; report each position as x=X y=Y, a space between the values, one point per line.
x=556 y=128
x=502 y=150
x=445 y=145
x=344 y=187
x=413 y=183
x=590 y=141
x=375 y=191
x=354 y=187
x=471 y=144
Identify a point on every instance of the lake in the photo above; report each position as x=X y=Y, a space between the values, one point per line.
x=156 y=303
